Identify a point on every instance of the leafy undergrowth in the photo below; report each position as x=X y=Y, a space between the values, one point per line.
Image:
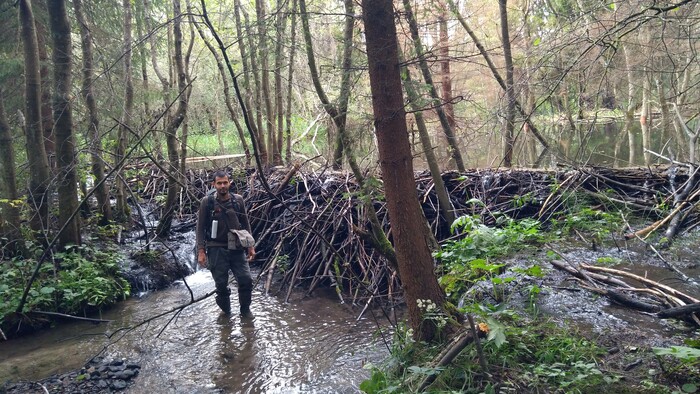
x=525 y=355
x=526 y=352
x=81 y=280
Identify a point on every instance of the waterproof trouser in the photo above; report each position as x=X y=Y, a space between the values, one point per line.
x=220 y=262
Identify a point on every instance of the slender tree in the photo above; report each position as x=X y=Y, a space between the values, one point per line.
x=122 y=211
x=428 y=78
x=338 y=113
x=36 y=155
x=290 y=79
x=66 y=162
x=174 y=179
x=415 y=262
x=508 y=134
x=9 y=208
x=88 y=94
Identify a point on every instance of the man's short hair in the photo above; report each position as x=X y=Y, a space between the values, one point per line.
x=219 y=174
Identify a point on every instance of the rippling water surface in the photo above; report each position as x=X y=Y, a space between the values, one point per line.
x=314 y=345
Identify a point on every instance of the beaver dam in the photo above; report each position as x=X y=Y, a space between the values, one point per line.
x=311 y=232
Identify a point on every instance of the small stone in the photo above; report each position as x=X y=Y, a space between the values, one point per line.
x=118 y=384
x=102 y=384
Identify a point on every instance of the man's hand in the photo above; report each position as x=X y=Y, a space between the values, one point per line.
x=202 y=258
x=251 y=253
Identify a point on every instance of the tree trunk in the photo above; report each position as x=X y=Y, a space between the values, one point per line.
x=63 y=125
x=443 y=197
x=255 y=71
x=227 y=98
x=122 y=212
x=140 y=17
x=36 y=155
x=290 y=75
x=265 y=79
x=428 y=78
x=508 y=135
x=9 y=210
x=176 y=120
x=245 y=62
x=415 y=262
x=164 y=82
x=446 y=74
x=44 y=73
x=281 y=25
x=645 y=119
x=88 y=94
x=338 y=114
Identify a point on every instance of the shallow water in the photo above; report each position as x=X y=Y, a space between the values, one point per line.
x=314 y=345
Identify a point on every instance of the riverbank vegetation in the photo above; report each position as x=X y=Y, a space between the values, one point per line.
x=494 y=274
x=362 y=136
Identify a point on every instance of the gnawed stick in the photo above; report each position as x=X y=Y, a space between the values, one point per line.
x=447 y=355
x=648 y=282
x=588 y=276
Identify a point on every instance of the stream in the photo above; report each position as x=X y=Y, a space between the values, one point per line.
x=313 y=345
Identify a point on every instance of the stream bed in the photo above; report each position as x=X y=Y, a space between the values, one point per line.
x=313 y=345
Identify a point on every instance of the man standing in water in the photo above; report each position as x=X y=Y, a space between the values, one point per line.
x=219 y=213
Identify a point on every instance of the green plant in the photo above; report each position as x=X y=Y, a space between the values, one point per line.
x=86 y=279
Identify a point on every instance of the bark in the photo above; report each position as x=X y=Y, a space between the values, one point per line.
x=508 y=135
x=428 y=78
x=415 y=262
x=172 y=127
x=9 y=210
x=257 y=112
x=290 y=79
x=36 y=154
x=143 y=56
x=281 y=25
x=337 y=113
x=645 y=119
x=66 y=161
x=629 y=111
x=121 y=212
x=164 y=82
x=446 y=74
x=445 y=204
x=245 y=62
x=228 y=100
x=269 y=115
x=88 y=94
x=44 y=73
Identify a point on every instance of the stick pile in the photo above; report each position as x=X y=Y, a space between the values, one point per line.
x=335 y=254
